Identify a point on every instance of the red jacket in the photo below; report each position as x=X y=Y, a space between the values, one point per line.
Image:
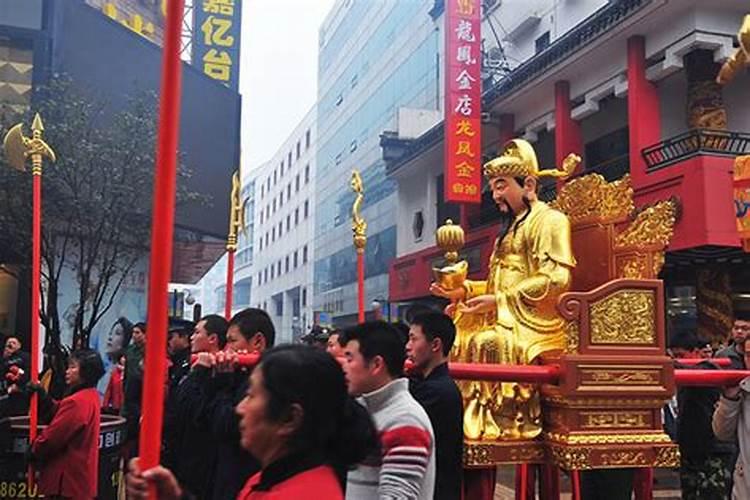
x=67 y=450
x=320 y=482
x=115 y=394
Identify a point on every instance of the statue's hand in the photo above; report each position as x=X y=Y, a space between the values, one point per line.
x=455 y=295
x=479 y=305
x=450 y=309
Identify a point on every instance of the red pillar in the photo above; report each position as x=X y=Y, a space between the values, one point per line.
x=507 y=128
x=644 y=116
x=568 y=138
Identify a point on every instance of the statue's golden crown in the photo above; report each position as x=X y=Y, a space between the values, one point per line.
x=518 y=159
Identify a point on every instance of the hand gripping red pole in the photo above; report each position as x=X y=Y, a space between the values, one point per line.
x=162 y=230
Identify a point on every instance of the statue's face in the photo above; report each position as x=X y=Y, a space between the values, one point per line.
x=509 y=194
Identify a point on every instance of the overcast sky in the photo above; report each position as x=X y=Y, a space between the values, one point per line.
x=278 y=71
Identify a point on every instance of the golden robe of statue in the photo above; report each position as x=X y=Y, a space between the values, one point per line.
x=528 y=270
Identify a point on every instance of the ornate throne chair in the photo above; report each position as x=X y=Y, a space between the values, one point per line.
x=616 y=377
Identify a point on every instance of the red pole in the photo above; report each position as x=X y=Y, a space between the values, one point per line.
x=361 y=284
x=575 y=484
x=36 y=265
x=162 y=229
x=230 y=285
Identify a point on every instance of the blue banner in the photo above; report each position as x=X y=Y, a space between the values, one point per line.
x=216 y=39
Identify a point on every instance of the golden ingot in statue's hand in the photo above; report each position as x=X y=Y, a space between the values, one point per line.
x=452 y=276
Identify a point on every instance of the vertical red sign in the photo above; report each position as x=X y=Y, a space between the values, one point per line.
x=463 y=101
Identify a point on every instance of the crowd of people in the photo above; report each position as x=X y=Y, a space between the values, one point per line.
x=337 y=416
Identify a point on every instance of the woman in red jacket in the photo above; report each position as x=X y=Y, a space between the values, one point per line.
x=300 y=424
x=66 y=452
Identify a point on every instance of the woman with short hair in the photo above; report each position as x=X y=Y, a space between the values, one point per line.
x=66 y=452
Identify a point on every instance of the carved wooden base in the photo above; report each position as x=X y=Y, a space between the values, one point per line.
x=482 y=454
x=605 y=451
x=625 y=453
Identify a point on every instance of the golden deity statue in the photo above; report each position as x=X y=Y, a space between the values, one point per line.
x=511 y=317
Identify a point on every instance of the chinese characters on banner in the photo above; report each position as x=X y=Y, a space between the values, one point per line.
x=216 y=39
x=463 y=101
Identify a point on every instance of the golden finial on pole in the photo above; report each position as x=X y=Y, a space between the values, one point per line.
x=235 y=213
x=741 y=57
x=19 y=147
x=359 y=230
x=359 y=226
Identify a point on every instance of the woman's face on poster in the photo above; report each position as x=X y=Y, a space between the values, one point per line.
x=115 y=340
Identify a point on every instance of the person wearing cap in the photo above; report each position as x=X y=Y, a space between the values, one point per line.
x=511 y=317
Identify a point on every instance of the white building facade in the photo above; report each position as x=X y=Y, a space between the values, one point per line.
x=280 y=274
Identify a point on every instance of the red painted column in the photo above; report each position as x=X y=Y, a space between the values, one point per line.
x=568 y=138
x=644 y=116
x=507 y=128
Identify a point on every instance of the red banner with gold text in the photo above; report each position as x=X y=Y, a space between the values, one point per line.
x=463 y=101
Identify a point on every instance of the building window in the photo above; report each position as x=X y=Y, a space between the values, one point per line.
x=262 y=191
x=286 y=264
x=339 y=158
x=304 y=254
x=260 y=275
x=289 y=159
x=281 y=167
x=304 y=297
x=279 y=306
x=295 y=259
x=339 y=99
x=275 y=176
x=265 y=305
x=307 y=208
x=289 y=191
x=299 y=149
x=353 y=146
x=265 y=275
x=268 y=211
x=542 y=42
x=278 y=268
x=268 y=186
x=281 y=225
x=355 y=79
x=288 y=222
x=281 y=198
x=261 y=217
x=261 y=244
x=274 y=206
x=296 y=184
x=273 y=272
x=266 y=240
x=296 y=216
x=273 y=233
x=307 y=139
x=307 y=173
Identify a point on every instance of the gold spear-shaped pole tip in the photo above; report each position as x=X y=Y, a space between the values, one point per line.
x=37 y=125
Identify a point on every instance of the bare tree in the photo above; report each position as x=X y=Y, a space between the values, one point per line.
x=96 y=202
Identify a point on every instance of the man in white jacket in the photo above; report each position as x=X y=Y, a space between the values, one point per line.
x=731 y=421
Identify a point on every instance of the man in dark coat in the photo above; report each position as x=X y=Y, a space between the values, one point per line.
x=250 y=330
x=189 y=451
x=431 y=337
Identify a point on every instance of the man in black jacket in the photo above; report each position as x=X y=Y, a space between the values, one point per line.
x=250 y=330
x=705 y=462
x=431 y=337
x=189 y=451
